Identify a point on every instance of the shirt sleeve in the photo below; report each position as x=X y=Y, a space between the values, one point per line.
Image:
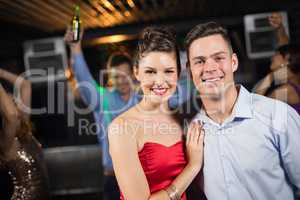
x=88 y=88
x=289 y=146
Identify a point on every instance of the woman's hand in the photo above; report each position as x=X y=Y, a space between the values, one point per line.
x=281 y=74
x=263 y=85
x=275 y=20
x=194 y=145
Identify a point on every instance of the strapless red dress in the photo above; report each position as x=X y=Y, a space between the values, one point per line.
x=162 y=164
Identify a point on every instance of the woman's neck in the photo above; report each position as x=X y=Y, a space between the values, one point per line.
x=150 y=108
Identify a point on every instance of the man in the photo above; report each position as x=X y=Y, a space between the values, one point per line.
x=107 y=105
x=252 y=142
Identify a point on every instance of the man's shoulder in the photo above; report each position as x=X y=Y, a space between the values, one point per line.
x=271 y=112
x=267 y=105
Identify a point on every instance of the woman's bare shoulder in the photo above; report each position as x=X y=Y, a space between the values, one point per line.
x=124 y=126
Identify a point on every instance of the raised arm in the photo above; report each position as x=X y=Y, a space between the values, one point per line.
x=10 y=122
x=87 y=84
x=275 y=21
x=264 y=84
x=23 y=86
x=128 y=169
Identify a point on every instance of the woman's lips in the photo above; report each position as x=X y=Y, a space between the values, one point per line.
x=159 y=91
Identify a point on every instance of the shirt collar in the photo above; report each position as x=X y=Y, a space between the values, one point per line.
x=243 y=105
x=242 y=108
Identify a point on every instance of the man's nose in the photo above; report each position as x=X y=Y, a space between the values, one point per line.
x=210 y=66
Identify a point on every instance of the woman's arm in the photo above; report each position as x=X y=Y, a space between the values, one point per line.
x=24 y=88
x=263 y=85
x=128 y=169
x=10 y=123
x=275 y=21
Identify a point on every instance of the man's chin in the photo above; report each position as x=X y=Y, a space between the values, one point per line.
x=211 y=93
x=123 y=91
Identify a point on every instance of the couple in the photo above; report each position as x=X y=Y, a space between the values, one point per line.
x=251 y=142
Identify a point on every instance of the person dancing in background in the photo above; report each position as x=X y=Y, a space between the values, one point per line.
x=107 y=104
x=149 y=161
x=283 y=82
x=20 y=152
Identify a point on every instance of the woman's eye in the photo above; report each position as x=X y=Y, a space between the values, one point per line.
x=149 y=72
x=199 y=62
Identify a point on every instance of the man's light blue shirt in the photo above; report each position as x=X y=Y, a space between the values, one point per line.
x=255 y=153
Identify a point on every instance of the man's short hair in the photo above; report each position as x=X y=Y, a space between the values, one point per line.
x=120 y=58
x=204 y=30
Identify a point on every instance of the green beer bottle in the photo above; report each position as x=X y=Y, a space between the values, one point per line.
x=76 y=23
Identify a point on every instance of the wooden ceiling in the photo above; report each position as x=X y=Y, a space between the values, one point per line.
x=55 y=15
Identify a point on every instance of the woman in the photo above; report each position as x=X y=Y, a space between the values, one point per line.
x=146 y=142
x=20 y=153
x=283 y=82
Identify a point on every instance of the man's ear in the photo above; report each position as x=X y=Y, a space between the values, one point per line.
x=235 y=62
x=136 y=73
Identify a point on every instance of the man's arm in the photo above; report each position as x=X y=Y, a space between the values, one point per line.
x=289 y=148
x=88 y=87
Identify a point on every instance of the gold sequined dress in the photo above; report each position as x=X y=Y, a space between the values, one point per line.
x=28 y=172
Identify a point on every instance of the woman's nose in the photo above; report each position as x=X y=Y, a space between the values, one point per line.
x=160 y=79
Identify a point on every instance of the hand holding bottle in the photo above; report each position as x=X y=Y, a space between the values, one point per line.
x=74 y=32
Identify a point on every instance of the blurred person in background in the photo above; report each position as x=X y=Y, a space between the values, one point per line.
x=283 y=82
x=20 y=152
x=106 y=104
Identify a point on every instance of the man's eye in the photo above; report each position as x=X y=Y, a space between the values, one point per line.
x=219 y=58
x=169 y=71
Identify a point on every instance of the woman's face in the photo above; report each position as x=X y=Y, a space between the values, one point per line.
x=277 y=61
x=158 y=75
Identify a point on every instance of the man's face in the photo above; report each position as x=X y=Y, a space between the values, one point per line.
x=212 y=65
x=122 y=75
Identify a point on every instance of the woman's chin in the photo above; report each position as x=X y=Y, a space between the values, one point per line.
x=158 y=99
